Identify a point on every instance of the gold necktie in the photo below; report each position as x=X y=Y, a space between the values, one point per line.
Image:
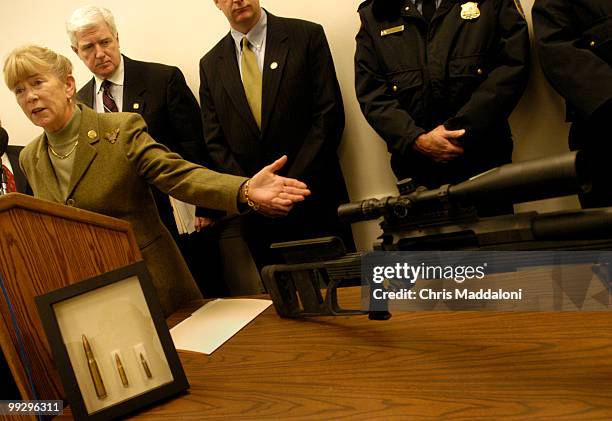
x=251 y=79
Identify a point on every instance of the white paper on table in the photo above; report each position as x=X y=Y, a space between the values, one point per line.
x=215 y=322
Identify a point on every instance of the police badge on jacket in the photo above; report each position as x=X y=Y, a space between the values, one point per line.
x=442 y=75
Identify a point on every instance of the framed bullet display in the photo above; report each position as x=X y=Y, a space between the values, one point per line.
x=111 y=344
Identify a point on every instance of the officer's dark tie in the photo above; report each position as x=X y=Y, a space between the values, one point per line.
x=110 y=106
x=429 y=7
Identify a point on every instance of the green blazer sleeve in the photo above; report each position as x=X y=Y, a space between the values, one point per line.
x=172 y=175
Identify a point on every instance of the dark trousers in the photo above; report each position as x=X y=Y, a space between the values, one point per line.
x=240 y=273
x=8 y=383
x=593 y=137
x=199 y=249
x=203 y=256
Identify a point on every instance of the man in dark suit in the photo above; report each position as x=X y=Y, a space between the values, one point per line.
x=269 y=88
x=157 y=92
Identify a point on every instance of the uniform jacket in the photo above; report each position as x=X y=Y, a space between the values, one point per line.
x=574 y=42
x=302 y=115
x=115 y=163
x=20 y=180
x=462 y=73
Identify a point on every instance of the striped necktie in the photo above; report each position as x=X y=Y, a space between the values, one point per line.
x=10 y=180
x=251 y=79
x=107 y=98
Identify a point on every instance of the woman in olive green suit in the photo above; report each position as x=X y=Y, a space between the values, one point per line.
x=105 y=163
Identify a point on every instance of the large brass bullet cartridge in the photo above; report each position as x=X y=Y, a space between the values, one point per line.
x=93 y=370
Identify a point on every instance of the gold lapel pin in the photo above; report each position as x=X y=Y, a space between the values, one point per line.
x=273 y=65
x=92 y=134
x=136 y=106
x=470 y=11
x=112 y=135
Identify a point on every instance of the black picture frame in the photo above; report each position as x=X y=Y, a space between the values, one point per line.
x=92 y=307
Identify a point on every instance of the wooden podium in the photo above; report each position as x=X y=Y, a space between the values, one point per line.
x=45 y=246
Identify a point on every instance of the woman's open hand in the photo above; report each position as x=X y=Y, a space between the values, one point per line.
x=275 y=194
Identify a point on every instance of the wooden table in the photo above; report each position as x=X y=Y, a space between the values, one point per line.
x=420 y=365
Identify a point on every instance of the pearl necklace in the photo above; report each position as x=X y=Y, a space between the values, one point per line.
x=59 y=156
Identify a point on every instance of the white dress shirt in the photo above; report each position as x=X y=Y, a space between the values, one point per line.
x=257 y=39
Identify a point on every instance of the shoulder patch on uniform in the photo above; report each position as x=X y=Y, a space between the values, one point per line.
x=364 y=4
x=386 y=9
x=519 y=7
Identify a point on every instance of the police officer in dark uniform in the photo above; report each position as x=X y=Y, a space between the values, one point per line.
x=437 y=79
x=574 y=43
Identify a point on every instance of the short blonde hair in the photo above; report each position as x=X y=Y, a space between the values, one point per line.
x=30 y=60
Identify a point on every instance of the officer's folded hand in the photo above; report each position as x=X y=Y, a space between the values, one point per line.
x=440 y=145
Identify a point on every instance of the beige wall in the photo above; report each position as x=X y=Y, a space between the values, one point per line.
x=180 y=32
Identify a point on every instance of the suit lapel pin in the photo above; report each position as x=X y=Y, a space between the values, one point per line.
x=112 y=135
x=273 y=65
x=92 y=134
x=470 y=10
x=136 y=106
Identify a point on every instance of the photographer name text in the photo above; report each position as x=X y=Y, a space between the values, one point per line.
x=444 y=294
